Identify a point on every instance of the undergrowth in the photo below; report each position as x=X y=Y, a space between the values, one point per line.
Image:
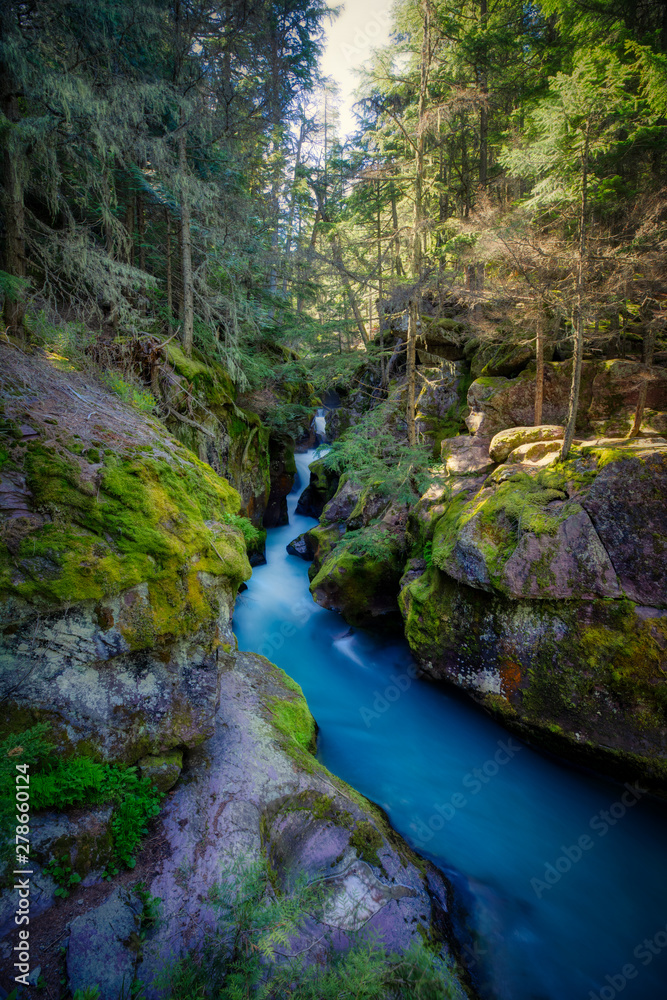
x=260 y=951
x=374 y=452
x=60 y=783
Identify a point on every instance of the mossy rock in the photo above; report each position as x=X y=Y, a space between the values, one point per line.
x=163 y=770
x=591 y=675
x=360 y=576
x=503 y=443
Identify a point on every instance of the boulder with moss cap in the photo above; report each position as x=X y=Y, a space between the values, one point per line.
x=118 y=579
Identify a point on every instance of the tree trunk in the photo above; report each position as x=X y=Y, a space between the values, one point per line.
x=539 y=372
x=340 y=267
x=483 y=113
x=14 y=262
x=14 y=258
x=129 y=226
x=170 y=290
x=419 y=144
x=379 y=303
x=141 y=231
x=187 y=334
x=579 y=314
x=397 y=241
x=292 y=208
x=649 y=345
x=412 y=339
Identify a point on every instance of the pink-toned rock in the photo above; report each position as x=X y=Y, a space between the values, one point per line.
x=538 y=453
x=628 y=506
x=572 y=562
x=504 y=442
x=466 y=456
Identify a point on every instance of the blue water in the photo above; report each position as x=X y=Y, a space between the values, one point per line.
x=505 y=811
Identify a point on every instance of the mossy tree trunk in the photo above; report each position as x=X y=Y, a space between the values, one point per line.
x=579 y=309
x=170 y=290
x=411 y=373
x=13 y=158
x=187 y=333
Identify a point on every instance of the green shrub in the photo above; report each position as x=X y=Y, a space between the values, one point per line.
x=135 y=395
x=57 y=783
x=248 y=956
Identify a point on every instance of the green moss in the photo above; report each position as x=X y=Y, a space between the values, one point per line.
x=367 y=841
x=365 y=564
x=502 y=512
x=293 y=720
x=143 y=523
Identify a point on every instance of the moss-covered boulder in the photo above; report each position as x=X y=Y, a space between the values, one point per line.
x=607 y=398
x=282 y=474
x=320 y=489
x=497 y=403
x=204 y=416
x=257 y=799
x=503 y=443
x=501 y=358
x=120 y=559
x=162 y=770
x=360 y=576
x=543 y=593
x=585 y=678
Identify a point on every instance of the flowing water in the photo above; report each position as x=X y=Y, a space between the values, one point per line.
x=476 y=801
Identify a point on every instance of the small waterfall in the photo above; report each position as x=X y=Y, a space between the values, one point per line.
x=320 y=425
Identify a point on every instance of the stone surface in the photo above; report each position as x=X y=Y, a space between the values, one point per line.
x=504 y=442
x=302 y=547
x=320 y=489
x=436 y=399
x=466 y=456
x=163 y=770
x=545 y=598
x=282 y=471
x=584 y=678
x=249 y=790
x=506 y=359
x=540 y=453
x=116 y=587
x=607 y=399
x=572 y=562
x=627 y=504
x=99 y=952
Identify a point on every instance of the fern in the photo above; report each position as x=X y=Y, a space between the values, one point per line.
x=57 y=783
x=248 y=959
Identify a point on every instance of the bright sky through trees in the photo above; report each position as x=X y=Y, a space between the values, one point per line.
x=361 y=26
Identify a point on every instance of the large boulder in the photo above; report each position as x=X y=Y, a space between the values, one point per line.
x=360 y=576
x=607 y=398
x=256 y=791
x=501 y=358
x=321 y=487
x=465 y=455
x=506 y=441
x=544 y=594
x=120 y=561
x=627 y=504
x=584 y=678
x=282 y=475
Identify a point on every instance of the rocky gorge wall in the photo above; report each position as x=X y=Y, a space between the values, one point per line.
x=122 y=553
x=538 y=587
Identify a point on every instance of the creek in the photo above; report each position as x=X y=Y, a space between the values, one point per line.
x=488 y=810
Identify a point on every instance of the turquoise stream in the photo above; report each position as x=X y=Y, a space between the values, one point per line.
x=417 y=749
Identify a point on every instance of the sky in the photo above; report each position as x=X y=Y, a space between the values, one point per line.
x=362 y=26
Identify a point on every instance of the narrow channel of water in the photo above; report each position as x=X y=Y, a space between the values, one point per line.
x=451 y=780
